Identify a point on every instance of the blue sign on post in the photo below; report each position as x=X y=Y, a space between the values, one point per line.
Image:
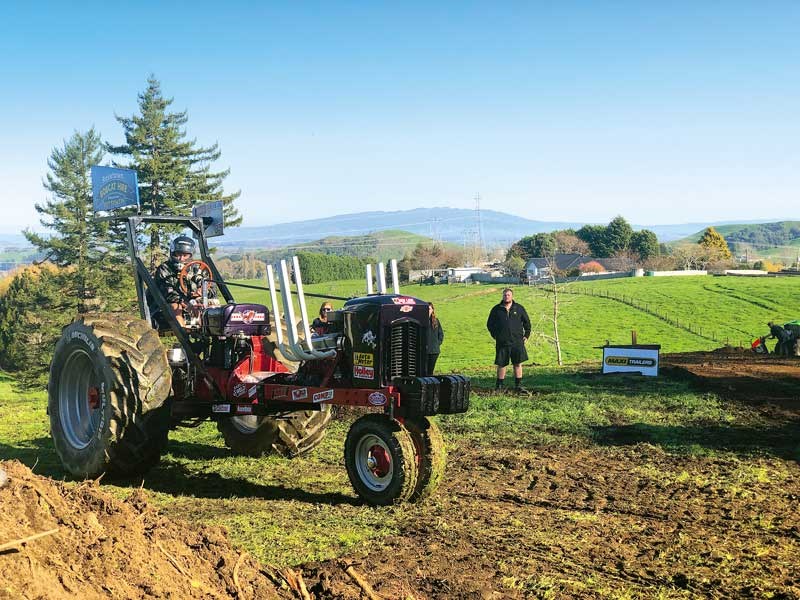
x=114 y=188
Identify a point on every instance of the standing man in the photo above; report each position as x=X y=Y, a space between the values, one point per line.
x=510 y=327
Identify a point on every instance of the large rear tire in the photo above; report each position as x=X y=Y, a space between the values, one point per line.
x=291 y=436
x=109 y=382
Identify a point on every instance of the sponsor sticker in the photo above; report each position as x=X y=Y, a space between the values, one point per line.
x=363 y=358
x=244 y=409
x=406 y=308
x=323 y=396
x=404 y=300
x=300 y=394
x=247 y=316
x=369 y=339
x=280 y=392
x=377 y=399
x=360 y=372
x=221 y=408
x=629 y=361
x=252 y=391
x=239 y=389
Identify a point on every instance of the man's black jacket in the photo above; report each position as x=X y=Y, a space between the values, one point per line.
x=508 y=326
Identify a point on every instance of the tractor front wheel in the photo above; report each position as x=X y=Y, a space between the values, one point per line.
x=430 y=454
x=380 y=458
x=109 y=382
x=290 y=436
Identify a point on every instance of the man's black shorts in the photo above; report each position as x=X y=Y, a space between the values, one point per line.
x=515 y=353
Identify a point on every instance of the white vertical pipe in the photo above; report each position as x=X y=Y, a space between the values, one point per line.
x=288 y=307
x=302 y=299
x=395 y=277
x=369 y=280
x=274 y=298
x=381 y=278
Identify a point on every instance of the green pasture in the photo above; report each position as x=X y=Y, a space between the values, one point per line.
x=732 y=310
x=289 y=512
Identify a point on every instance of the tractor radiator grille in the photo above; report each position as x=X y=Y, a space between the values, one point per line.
x=404 y=350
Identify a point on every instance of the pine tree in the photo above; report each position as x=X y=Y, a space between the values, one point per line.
x=174 y=173
x=645 y=244
x=713 y=241
x=76 y=238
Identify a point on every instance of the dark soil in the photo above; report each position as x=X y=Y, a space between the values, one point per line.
x=623 y=518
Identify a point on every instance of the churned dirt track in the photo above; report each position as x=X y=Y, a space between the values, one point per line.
x=617 y=517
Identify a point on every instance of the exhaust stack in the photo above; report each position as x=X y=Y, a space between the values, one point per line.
x=369 y=280
x=395 y=277
x=293 y=350
x=381 y=278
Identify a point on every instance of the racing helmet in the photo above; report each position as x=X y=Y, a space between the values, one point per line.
x=182 y=243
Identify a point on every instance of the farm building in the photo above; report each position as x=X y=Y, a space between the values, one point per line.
x=538 y=268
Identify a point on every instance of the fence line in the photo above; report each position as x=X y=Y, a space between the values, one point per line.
x=644 y=307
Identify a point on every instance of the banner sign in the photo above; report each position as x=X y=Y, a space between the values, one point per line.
x=213 y=210
x=631 y=359
x=114 y=188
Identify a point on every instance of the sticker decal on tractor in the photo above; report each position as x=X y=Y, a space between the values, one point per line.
x=406 y=308
x=369 y=339
x=221 y=408
x=404 y=300
x=247 y=316
x=365 y=359
x=377 y=399
x=239 y=390
x=300 y=394
x=244 y=409
x=360 y=372
x=252 y=391
x=323 y=396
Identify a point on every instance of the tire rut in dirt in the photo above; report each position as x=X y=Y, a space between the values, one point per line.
x=109 y=382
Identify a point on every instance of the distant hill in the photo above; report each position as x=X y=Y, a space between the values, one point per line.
x=447 y=224
x=381 y=245
x=759 y=240
x=456 y=225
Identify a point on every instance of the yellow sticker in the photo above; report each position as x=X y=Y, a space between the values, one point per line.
x=362 y=359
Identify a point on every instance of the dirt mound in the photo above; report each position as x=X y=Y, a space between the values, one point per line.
x=95 y=546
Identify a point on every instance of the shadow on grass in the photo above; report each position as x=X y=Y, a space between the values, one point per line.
x=37 y=454
x=780 y=441
x=586 y=380
x=174 y=478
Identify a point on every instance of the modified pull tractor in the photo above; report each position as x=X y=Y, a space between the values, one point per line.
x=115 y=390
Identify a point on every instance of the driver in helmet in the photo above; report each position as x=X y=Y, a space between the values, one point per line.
x=167 y=277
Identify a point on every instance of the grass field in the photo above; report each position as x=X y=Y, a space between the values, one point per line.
x=695 y=444
x=729 y=308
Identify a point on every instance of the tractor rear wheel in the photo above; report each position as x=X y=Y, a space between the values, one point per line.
x=380 y=458
x=430 y=454
x=290 y=436
x=109 y=382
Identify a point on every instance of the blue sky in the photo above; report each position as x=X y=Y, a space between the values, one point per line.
x=664 y=113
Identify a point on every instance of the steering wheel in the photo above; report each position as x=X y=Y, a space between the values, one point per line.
x=202 y=269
